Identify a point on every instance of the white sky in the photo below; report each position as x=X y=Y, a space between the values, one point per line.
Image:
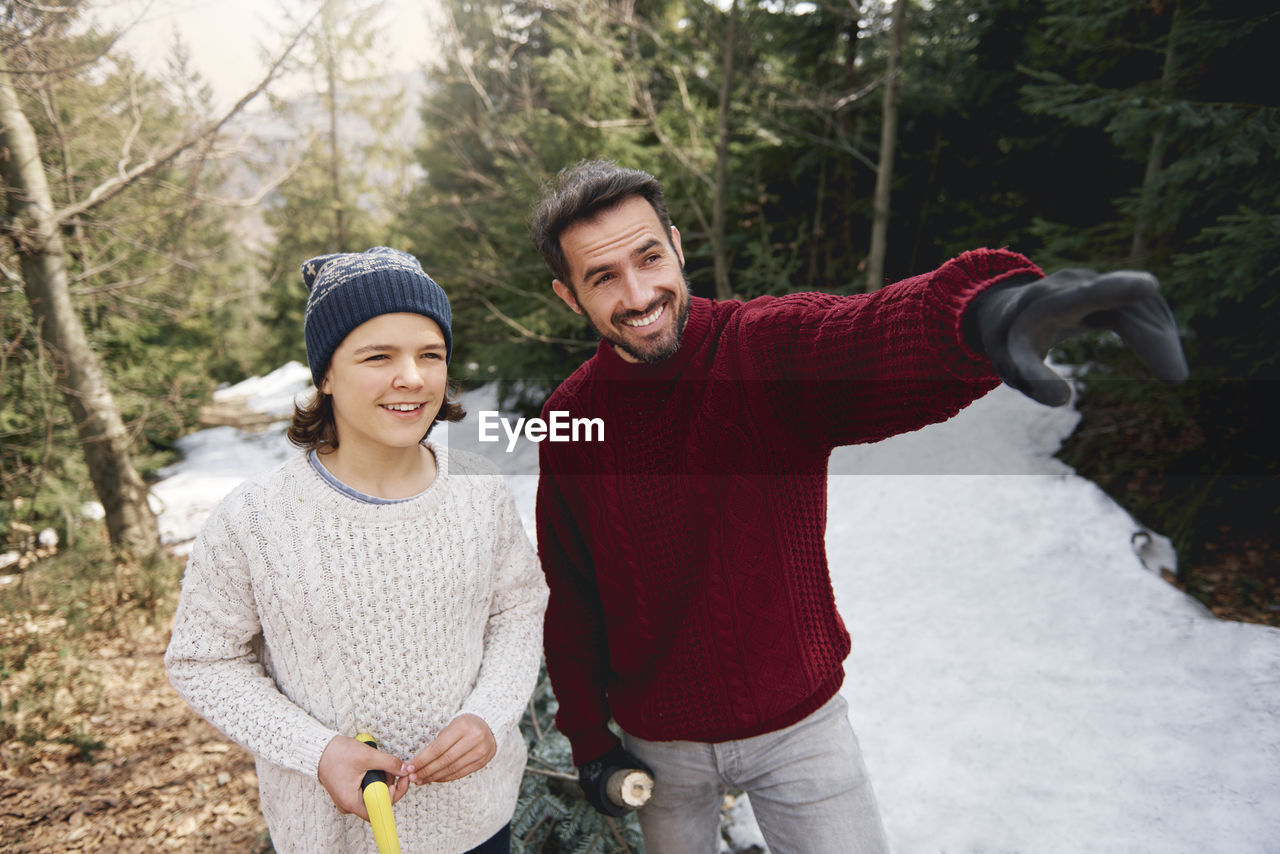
x=226 y=37
x=1019 y=681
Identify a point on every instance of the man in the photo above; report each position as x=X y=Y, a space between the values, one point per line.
x=690 y=597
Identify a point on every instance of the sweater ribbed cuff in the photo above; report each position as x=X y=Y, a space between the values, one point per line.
x=311 y=745
x=593 y=745
x=955 y=285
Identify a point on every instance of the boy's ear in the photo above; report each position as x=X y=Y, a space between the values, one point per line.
x=566 y=293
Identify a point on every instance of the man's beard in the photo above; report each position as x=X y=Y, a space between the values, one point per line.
x=666 y=351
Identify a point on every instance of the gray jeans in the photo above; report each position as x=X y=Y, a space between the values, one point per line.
x=807 y=784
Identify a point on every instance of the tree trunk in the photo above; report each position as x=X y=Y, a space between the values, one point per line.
x=1155 y=155
x=38 y=240
x=719 y=250
x=842 y=258
x=335 y=148
x=888 y=138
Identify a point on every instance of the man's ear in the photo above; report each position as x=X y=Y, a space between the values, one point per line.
x=566 y=293
x=675 y=242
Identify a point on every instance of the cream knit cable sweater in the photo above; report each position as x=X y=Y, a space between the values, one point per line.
x=306 y=614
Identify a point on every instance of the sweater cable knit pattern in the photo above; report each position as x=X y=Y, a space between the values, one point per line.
x=690 y=595
x=306 y=614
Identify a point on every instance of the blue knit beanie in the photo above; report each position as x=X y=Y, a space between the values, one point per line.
x=348 y=288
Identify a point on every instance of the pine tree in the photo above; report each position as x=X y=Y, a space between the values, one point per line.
x=116 y=245
x=515 y=101
x=1182 y=91
x=345 y=147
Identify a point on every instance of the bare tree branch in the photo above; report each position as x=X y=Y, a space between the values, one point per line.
x=112 y=187
x=533 y=716
x=40 y=7
x=136 y=110
x=846 y=100
x=88 y=60
x=612 y=124
x=526 y=332
x=557 y=775
x=11 y=276
x=687 y=103
x=264 y=189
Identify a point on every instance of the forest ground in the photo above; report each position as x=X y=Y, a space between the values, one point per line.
x=1217 y=497
x=124 y=763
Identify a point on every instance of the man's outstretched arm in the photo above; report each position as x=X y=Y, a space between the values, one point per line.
x=1014 y=324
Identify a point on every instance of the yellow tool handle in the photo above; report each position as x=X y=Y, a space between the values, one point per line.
x=377 y=800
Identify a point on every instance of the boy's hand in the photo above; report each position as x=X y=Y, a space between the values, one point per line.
x=343 y=765
x=463 y=747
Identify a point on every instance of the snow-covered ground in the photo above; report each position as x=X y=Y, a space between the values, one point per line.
x=1020 y=681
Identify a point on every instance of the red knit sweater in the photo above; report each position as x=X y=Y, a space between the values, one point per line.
x=690 y=596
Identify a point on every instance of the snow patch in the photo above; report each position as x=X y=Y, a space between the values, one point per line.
x=1019 y=681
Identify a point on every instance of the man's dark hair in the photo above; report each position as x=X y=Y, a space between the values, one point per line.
x=313 y=427
x=583 y=192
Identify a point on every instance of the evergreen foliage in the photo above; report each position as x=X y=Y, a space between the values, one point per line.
x=1181 y=90
x=345 y=151
x=156 y=279
x=551 y=816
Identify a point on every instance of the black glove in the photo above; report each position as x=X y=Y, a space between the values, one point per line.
x=1015 y=324
x=594 y=776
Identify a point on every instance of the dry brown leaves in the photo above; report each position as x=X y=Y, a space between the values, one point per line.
x=164 y=781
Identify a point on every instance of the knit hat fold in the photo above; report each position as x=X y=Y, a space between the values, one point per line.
x=345 y=289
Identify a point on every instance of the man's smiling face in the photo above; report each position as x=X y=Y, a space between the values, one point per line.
x=628 y=280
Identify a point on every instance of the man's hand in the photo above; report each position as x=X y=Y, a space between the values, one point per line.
x=464 y=746
x=343 y=765
x=594 y=779
x=1015 y=325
